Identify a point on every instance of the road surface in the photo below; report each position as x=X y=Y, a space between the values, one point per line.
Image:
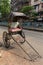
x=15 y=56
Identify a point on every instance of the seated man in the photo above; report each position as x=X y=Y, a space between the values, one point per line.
x=14 y=27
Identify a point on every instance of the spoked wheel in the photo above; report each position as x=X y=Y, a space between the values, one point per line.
x=23 y=37
x=6 y=40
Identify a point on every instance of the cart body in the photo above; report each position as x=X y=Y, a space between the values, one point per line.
x=14 y=28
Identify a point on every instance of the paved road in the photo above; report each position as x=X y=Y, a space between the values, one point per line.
x=35 y=38
x=34 y=34
x=14 y=53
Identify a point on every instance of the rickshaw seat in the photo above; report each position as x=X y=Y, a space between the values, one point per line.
x=15 y=29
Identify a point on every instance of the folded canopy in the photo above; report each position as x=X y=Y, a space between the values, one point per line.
x=18 y=15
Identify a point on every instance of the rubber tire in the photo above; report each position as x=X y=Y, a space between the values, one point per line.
x=6 y=40
x=23 y=36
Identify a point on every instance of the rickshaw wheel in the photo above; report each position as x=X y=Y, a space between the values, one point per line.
x=23 y=36
x=6 y=40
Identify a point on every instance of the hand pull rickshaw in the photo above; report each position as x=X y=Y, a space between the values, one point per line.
x=14 y=28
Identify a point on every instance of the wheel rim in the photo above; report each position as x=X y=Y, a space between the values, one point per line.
x=4 y=36
x=5 y=39
x=23 y=36
x=7 y=43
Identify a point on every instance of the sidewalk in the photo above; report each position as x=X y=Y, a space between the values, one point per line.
x=33 y=29
x=29 y=28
